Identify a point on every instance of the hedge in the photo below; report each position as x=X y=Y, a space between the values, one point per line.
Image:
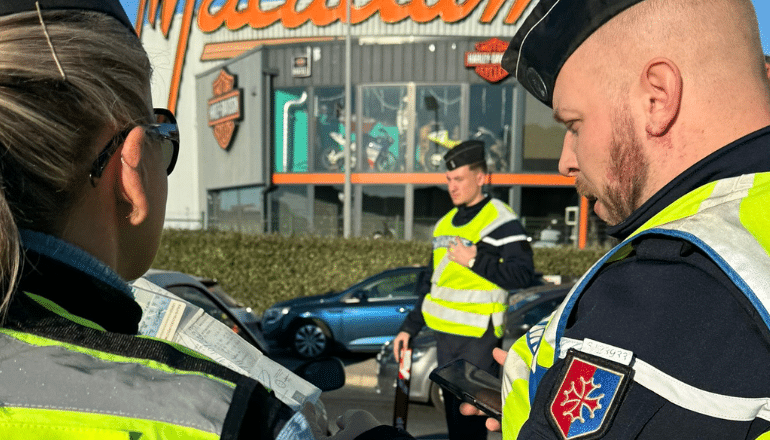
x=260 y=270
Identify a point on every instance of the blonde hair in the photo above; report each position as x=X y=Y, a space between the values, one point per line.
x=49 y=121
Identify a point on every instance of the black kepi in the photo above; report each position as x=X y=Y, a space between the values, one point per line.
x=465 y=153
x=550 y=32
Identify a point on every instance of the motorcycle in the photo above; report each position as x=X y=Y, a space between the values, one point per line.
x=378 y=156
x=494 y=146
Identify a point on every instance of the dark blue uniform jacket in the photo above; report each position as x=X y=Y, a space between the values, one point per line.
x=675 y=309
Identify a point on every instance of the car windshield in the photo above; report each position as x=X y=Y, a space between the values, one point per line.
x=215 y=288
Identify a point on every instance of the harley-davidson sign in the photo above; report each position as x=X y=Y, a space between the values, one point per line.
x=486 y=59
x=224 y=109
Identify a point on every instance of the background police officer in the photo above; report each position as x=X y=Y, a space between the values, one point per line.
x=480 y=251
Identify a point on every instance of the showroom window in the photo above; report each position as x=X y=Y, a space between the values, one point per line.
x=543 y=138
x=382 y=211
x=236 y=209
x=289 y=210
x=489 y=120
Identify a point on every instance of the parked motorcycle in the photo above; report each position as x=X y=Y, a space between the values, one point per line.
x=495 y=148
x=378 y=156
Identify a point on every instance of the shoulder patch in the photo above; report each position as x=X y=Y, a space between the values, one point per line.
x=591 y=390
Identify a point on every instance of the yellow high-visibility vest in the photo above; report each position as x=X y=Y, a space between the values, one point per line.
x=727 y=220
x=460 y=301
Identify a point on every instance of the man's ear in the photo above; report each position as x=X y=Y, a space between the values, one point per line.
x=133 y=183
x=661 y=83
x=481 y=178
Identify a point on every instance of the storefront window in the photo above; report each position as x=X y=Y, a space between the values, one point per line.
x=543 y=138
x=238 y=209
x=383 y=129
x=430 y=204
x=382 y=211
x=289 y=210
x=490 y=121
x=291 y=130
x=439 y=111
x=329 y=129
x=327 y=211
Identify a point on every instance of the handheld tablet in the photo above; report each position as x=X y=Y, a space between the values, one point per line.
x=471 y=384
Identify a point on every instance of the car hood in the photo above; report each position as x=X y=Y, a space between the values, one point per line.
x=309 y=300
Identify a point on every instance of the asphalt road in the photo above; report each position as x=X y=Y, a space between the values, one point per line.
x=424 y=421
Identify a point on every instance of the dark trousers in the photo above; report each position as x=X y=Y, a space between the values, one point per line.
x=477 y=351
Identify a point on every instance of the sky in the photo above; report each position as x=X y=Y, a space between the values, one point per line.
x=762 y=7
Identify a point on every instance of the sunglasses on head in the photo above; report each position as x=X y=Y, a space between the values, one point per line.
x=164 y=132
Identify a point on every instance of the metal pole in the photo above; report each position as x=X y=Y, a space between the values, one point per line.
x=346 y=204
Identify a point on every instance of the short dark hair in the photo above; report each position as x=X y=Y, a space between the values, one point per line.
x=479 y=166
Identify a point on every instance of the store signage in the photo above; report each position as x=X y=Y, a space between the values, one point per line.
x=486 y=59
x=234 y=14
x=225 y=109
x=300 y=65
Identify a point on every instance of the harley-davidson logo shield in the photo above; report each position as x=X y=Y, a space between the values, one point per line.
x=486 y=59
x=224 y=109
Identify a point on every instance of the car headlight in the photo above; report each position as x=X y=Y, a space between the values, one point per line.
x=274 y=314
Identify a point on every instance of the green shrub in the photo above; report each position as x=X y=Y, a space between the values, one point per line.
x=260 y=270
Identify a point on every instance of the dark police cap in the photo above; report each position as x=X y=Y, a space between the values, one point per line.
x=550 y=32
x=112 y=8
x=464 y=153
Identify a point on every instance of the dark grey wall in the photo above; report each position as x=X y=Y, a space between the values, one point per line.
x=377 y=63
x=244 y=162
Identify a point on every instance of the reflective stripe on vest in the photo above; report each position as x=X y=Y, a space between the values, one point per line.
x=725 y=219
x=57 y=390
x=461 y=301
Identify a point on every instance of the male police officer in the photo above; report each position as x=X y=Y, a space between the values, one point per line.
x=480 y=251
x=667 y=107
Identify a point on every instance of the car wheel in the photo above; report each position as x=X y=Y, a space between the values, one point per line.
x=437 y=397
x=310 y=340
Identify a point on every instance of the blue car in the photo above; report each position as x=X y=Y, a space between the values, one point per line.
x=359 y=319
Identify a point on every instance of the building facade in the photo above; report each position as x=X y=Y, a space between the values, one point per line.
x=259 y=89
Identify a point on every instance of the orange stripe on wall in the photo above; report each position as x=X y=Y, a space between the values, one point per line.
x=415 y=178
x=227 y=50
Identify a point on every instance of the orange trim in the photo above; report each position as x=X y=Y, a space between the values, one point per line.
x=583 y=223
x=308 y=179
x=140 y=18
x=416 y=178
x=532 y=180
x=181 y=50
x=227 y=50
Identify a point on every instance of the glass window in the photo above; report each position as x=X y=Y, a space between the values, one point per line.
x=439 y=111
x=383 y=129
x=237 y=209
x=329 y=128
x=397 y=286
x=543 y=138
x=490 y=121
x=291 y=130
x=327 y=214
x=430 y=204
x=289 y=211
x=382 y=213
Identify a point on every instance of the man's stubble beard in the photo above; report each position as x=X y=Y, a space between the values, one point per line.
x=628 y=173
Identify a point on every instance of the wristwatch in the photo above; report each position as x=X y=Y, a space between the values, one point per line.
x=471 y=261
